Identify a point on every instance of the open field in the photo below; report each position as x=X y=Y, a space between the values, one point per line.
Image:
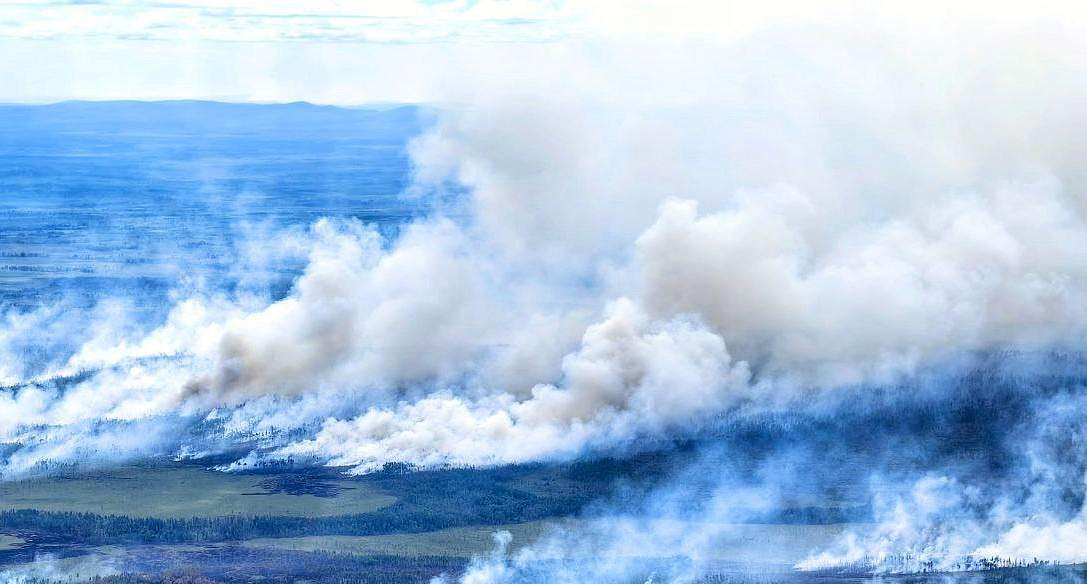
x=184 y=492
x=742 y=543
x=462 y=542
x=174 y=504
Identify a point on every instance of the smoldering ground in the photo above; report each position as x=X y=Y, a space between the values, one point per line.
x=970 y=459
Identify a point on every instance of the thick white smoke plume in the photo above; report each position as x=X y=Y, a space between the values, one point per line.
x=629 y=376
x=740 y=208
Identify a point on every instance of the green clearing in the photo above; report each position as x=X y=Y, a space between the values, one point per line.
x=775 y=543
x=182 y=492
x=461 y=542
x=760 y=543
x=8 y=542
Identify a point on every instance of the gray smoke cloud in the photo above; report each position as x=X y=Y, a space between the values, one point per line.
x=629 y=376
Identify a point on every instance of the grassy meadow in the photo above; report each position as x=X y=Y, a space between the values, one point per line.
x=183 y=492
x=461 y=542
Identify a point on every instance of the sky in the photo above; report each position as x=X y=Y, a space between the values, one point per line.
x=323 y=51
x=355 y=52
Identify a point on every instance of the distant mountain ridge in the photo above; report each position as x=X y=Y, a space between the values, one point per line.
x=182 y=117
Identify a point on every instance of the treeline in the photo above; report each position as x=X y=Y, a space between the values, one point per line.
x=94 y=529
x=913 y=564
x=238 y=565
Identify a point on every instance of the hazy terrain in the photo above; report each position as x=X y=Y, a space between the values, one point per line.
x=263 y=343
